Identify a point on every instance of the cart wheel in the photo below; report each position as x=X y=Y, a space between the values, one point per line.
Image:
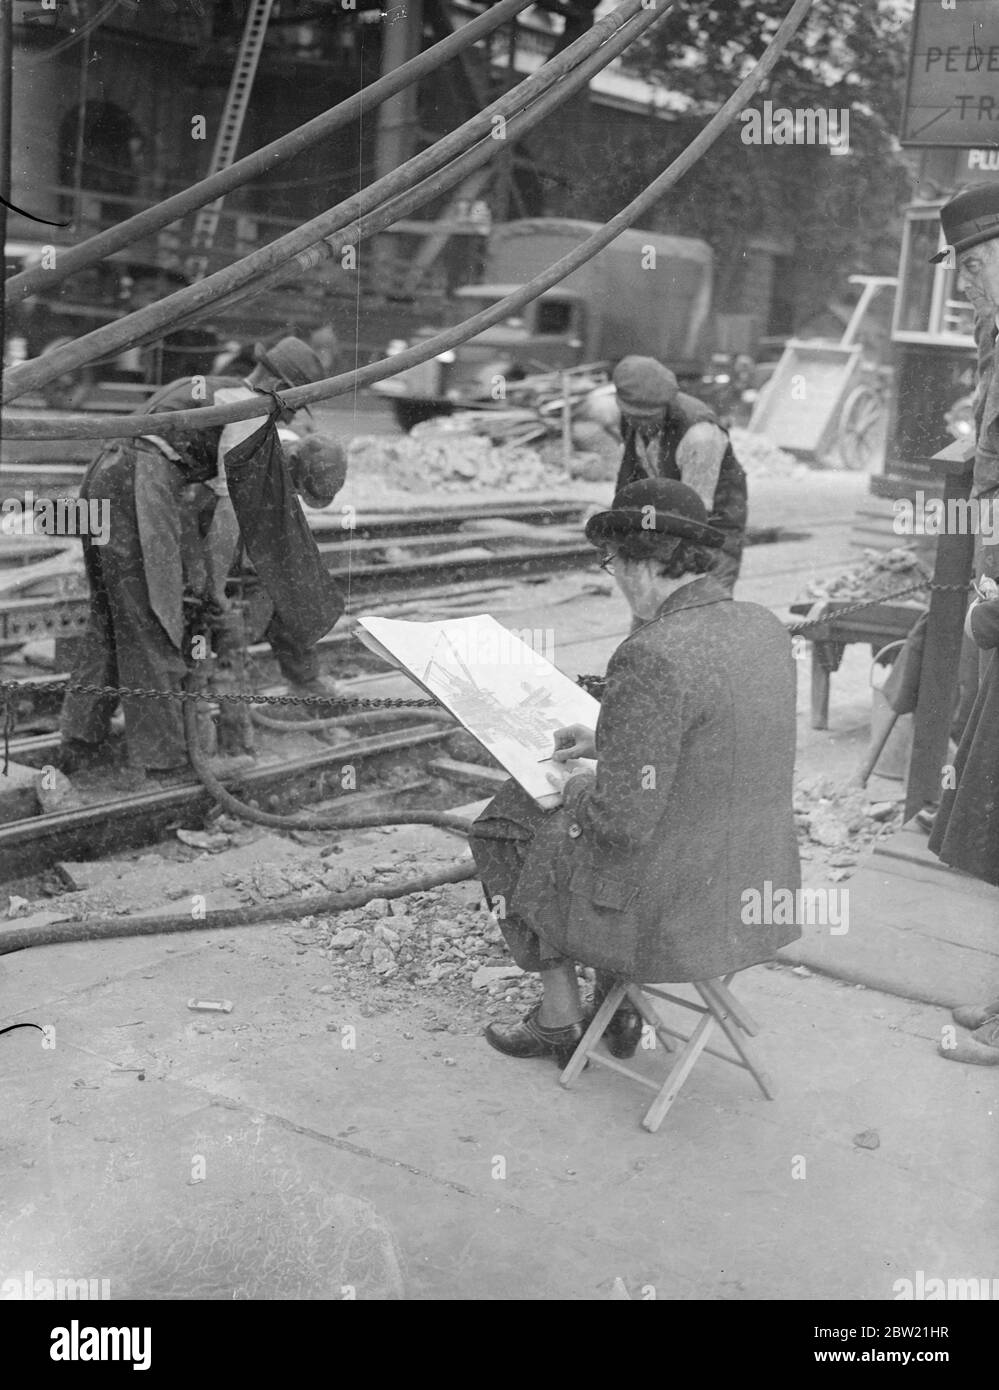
x=863 y=429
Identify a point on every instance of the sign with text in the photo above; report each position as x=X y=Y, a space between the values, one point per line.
x=952 y=92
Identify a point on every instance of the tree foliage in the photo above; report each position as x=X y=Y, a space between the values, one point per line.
x=837 y=214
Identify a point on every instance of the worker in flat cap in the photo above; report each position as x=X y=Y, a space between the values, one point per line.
x=965 y=829
x=181 y=500
x=643 y=871
x=668 y=434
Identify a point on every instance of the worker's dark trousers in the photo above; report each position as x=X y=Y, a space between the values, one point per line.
x=124 y=643
x=297 y=663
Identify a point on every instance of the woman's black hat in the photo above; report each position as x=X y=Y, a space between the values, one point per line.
x=661 y=505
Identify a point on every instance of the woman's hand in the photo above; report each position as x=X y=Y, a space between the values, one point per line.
x=574 y=741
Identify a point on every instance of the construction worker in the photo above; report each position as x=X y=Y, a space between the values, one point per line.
x=668 y=434
x=319 y=470
x=162 y=495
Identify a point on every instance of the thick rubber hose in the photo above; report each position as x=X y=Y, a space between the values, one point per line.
x=83 y=427
x=332 y=820
x=554 y=76
x=374 y=716
x=104 y=928
x=86 y=253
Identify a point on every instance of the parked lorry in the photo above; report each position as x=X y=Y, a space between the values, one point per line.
x=645 y=293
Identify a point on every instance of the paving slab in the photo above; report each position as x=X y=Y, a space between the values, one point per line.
x=259 y=1154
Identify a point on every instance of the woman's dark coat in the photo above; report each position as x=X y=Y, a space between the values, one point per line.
x=649 y=870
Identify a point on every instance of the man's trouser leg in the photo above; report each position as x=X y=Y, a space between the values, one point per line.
x=144 y=655
x=86 y=717
x=298 y=664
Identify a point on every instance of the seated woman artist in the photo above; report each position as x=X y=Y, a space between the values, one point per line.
x=654 y=868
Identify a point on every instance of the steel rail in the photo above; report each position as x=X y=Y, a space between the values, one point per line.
x=34 y=842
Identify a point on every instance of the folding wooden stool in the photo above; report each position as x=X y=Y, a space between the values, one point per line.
x=719 y=1010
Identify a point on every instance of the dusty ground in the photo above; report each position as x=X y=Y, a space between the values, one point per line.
x=345 y=1131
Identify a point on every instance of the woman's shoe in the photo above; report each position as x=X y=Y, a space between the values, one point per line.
x=529 y=1038
x=624 y=1032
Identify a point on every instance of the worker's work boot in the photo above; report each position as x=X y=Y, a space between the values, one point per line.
x=77 y=755
x=980 y=1048
x=318 y=688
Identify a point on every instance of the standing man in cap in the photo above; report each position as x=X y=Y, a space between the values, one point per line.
x=644 y=871
x=163 y=496
x=970 y=224
x=668 y=434
x=965 y=830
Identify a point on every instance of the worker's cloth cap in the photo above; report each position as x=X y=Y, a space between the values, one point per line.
x=971 y=216
x=661 y=505
x=292 y=361
x=644 y=386
x=318 y=469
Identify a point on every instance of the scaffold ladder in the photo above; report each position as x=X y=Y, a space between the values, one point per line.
x=230 y=128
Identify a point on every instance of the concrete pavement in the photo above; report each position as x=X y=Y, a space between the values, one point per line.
x=312 y=1145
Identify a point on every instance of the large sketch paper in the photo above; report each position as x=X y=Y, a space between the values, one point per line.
x=507 y=695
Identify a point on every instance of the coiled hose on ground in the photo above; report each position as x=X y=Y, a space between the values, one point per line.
x=104 y=928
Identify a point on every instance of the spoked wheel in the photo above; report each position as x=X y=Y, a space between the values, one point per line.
x=863 y=429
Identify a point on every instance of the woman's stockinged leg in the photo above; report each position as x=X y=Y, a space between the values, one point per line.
x=560 y=1005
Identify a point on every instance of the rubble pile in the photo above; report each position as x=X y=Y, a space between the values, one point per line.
x=444 y=938
x=450 y=460
x=762 y=459
x=838 y=824
x=878 y=573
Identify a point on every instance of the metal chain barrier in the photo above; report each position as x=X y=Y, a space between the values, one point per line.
x=10 y=688
x=796 y=629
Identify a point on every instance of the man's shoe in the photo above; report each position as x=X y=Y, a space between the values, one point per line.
x=973 y=1016
x=529 y=1038
x=624 y=1032
x=981 y=1048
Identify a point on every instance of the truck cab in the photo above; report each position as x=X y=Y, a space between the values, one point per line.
x=546 y=335
x=645 y=292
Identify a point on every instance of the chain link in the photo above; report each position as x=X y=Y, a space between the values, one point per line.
x=344 y=704
x=795 y=629
x=339 y=703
